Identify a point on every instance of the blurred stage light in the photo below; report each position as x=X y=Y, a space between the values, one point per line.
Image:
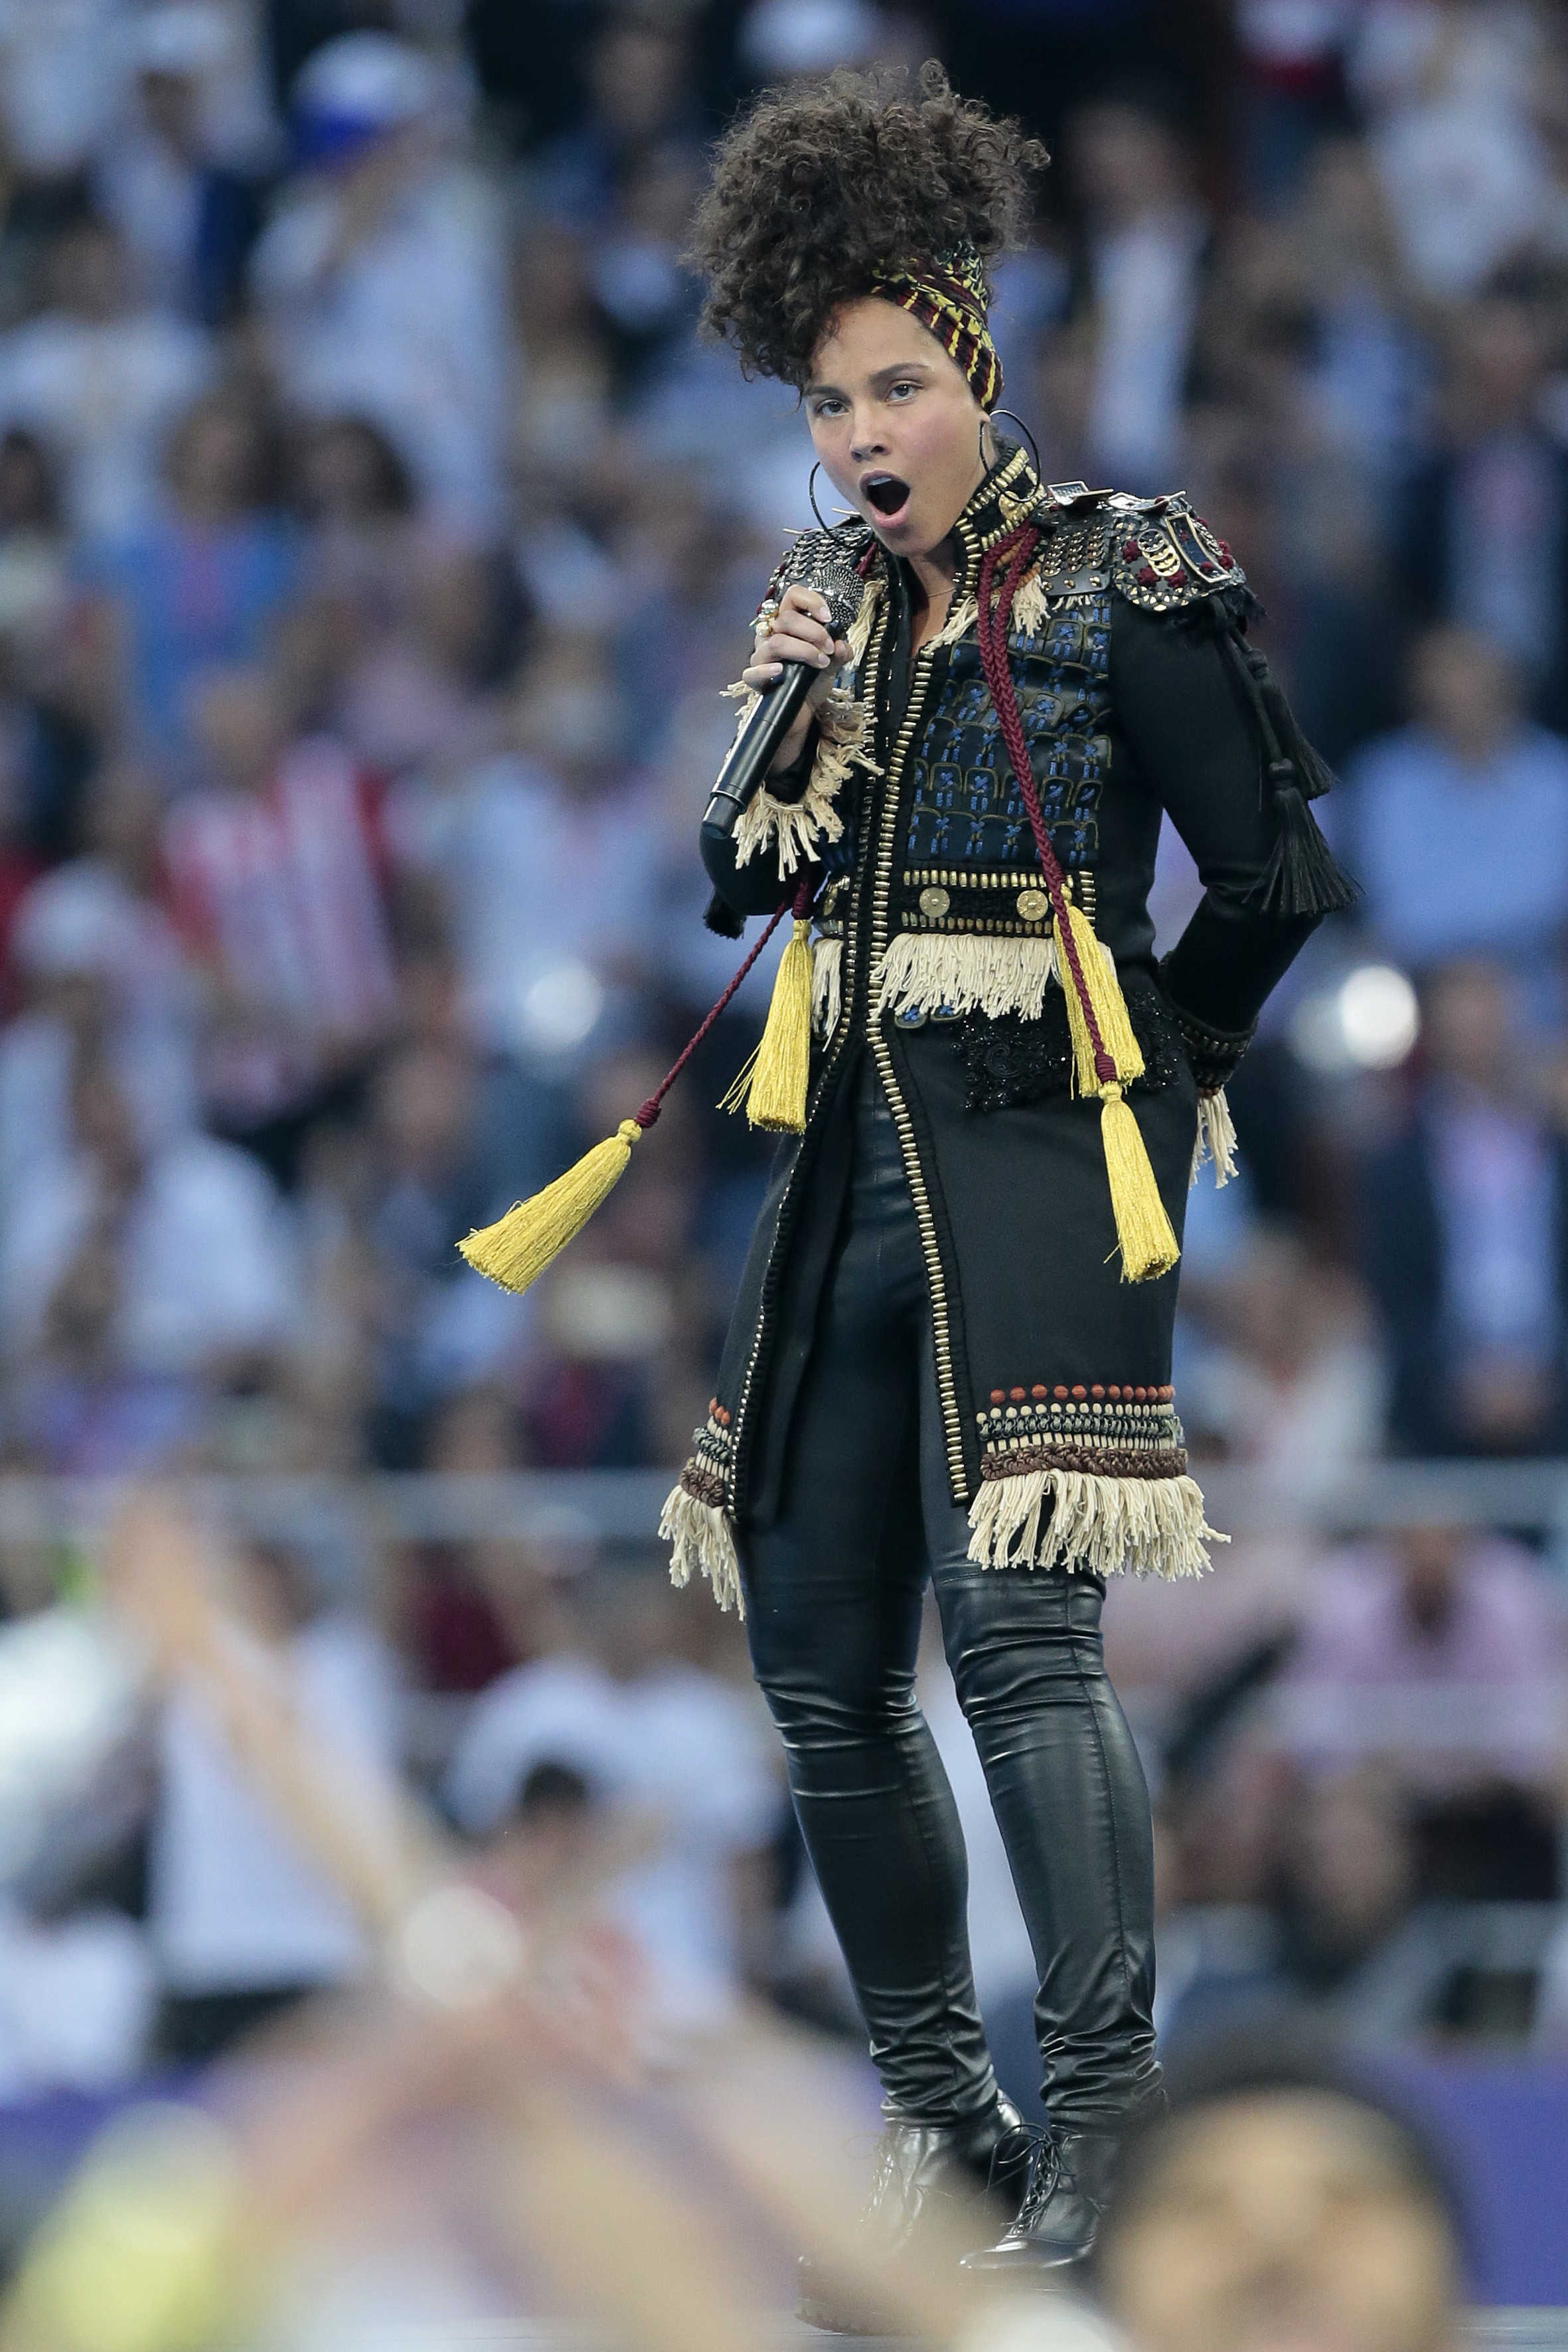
x=458 y=1947
x=559 y=1007
x=1369 y=1021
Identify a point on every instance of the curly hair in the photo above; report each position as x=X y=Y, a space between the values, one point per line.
x=818 y=194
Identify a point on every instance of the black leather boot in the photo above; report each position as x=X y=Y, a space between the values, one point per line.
x=1070 y=2179
x=982 y=2166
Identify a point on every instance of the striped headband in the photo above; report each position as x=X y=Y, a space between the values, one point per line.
x=949 y=298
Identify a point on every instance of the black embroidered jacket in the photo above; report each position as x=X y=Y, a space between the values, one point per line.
x=1139 y=696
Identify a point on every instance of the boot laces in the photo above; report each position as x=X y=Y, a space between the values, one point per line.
x=1045 y=2175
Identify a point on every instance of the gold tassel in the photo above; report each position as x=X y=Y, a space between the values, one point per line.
x=773 y=1086
x=1148 y=1242
x=1143 y=1228
x=1110 y=1006
x=518 y=1247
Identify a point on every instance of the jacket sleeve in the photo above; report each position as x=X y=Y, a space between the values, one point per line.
x=755 y=888
x=1202 y=743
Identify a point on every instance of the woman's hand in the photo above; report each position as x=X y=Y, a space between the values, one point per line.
x=799 y=630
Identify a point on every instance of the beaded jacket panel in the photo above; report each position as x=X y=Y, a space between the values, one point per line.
x=969 y=863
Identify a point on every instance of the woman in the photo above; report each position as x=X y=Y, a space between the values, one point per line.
x=952 y=1351
x=950 y=1354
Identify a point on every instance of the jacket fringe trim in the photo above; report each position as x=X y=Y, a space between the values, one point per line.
x=1080 y=1519
x=958 y=624
x=826 y=984
x=1215 y=1140
x=702 y=1542
x=1030 y=610
x=800 y=827
x=969 y=972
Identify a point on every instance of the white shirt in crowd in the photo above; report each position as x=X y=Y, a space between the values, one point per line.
x=105 y=393
x=407 y=328
x=235 y=1904
x=207 y=1262
x=76 y=2001
x=542 y=885
x=675 y=1744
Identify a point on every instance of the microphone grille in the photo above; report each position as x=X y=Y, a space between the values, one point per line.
x=824 y=560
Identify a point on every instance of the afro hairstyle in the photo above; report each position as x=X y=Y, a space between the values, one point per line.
x=818 y=193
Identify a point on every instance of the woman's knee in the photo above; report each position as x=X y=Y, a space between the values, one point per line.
x=823 y=1698
x=1022 y=1637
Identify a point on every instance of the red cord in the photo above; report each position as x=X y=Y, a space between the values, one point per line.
x=799 y=906
x=991 y=628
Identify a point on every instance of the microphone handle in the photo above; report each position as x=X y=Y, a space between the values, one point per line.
x=756 y=748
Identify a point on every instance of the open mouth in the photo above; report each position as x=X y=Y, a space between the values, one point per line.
x=886 y=492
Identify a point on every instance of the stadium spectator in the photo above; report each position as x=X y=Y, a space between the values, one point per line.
x=1285 y=1374
x=1469 y=767
x=1482 y=535
x=360 y=512
x=200 y=1261
x=1145 y=242
x=181 y=177
x=200 y=585
x=1441 y=1649
x=243 y=1923
x=1466 y=1237
x=443 y=1160
x=101 y=380
x=1279 y=2200
x=678 y=1753
x=277 y=877
x=381 y=275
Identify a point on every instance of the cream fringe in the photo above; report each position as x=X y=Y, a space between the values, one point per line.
x=797 y=827
x=1154 y=1527
x=958 y=624
x=826 y=985
x=1215 y=1140
x=970 y=971
x=1030 y=609
x=703 y=1539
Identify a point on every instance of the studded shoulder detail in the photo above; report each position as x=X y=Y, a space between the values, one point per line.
x=815 y=551
x=1163 y=556
x=1156 y=552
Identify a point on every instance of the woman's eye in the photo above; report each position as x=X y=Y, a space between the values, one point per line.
x=898 y=391
x=825 y=408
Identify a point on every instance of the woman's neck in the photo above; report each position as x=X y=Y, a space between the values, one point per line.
x=934 y=574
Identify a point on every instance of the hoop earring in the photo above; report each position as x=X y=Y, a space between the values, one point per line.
x=1017 y=420
x=811 y=494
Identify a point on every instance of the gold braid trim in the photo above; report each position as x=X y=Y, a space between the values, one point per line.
x=1099 y=1526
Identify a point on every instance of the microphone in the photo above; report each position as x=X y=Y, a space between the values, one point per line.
x=829 y=571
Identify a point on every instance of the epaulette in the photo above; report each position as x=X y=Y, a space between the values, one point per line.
x=815 y=551
x=1154 y=552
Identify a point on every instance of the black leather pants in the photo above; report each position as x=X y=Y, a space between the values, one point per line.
x=834 y=1598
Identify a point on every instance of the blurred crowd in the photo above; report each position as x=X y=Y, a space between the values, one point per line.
x=376 y=538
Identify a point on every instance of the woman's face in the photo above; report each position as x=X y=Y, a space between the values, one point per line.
x=895 y=424
x=1280 y=2221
